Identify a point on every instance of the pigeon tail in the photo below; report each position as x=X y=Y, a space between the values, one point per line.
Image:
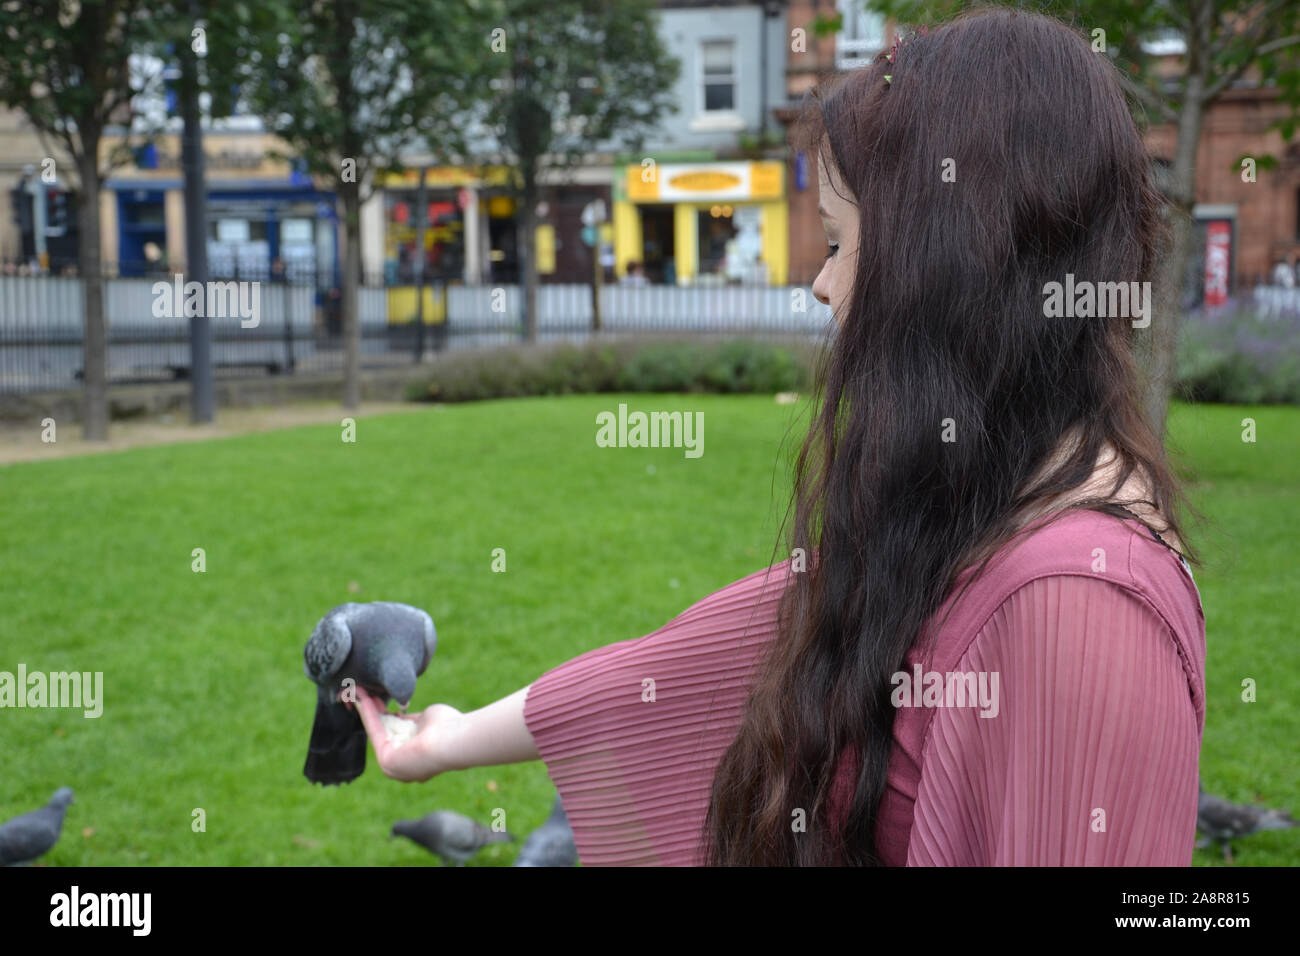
x=1277 y=820
x=337 y=751
x=557 y=813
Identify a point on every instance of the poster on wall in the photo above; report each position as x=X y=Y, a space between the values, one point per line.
x=1218 y=261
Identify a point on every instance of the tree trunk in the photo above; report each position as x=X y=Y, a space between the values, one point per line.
x=341 y=65
x=528 y=256
x=1158 y=344
x=351 y=274
x=202 y=397
x=94 y=333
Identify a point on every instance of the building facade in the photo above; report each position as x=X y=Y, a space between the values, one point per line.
x=703 y=223
x=715 y=197
x=261 y=209
x=705 y=203
x=812 y=58
x=1246 y=222
x=38 y=214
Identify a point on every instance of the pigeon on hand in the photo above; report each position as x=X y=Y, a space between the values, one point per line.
x=449 y=835
x=1222 y=821
x=551 y=844
x=26 y=837
x=381 y=646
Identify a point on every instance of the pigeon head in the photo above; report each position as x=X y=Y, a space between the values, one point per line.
x=402 y=828
x=399 y=678
x=62 y=797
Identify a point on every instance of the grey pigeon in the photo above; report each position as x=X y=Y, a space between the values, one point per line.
x=381 y=646
x=26 y=837
x=449 y=835
x=551 y=844
x=1223 y=822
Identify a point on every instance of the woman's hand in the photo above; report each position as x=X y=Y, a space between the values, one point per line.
x=424 y=755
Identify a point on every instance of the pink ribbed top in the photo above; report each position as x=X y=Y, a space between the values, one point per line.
x=1094 y=629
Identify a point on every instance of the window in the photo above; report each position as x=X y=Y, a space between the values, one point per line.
x=861 y=36
x=1167 y=41
x=718 y=66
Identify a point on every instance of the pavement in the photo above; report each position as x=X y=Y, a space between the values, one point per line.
x=22 y=442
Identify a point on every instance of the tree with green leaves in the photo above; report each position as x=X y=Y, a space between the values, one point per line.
x=1226 y=42
x=197 y=23
x=562 y=79
x=351 y=86
x=67 y=66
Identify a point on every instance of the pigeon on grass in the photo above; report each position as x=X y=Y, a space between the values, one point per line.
x=32 y=835
x=551 y=844
x=381 y=646
x=449 y=835
x=1224 y=822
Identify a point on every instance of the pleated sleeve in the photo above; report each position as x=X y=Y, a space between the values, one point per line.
x=1091 y=758
x=631 y=733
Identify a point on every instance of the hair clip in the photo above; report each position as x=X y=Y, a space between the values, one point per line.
x=898 y=41
x=888 y=78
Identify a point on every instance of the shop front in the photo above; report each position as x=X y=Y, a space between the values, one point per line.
x=468 y=238
x=265 y=217
x=702 y=223
x=459 y=245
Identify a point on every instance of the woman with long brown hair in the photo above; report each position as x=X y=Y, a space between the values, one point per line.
x=986 y=647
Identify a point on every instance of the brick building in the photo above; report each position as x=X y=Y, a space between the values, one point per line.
x=1258 y=221
x=1262 y=216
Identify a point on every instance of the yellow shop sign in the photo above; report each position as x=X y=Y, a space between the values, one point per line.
x=705 y=181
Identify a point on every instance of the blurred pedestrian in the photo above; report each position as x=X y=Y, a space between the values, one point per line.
x=635 y=275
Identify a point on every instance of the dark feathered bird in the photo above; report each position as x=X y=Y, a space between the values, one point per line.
x=1223 y=822
x=32 y=835
x=381 y=646
x=449 y=835
x=551 y=844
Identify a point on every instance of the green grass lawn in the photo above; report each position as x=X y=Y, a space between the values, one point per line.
x=205 y=702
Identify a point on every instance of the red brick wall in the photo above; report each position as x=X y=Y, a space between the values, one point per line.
x=807 y=240
x=1236 y=126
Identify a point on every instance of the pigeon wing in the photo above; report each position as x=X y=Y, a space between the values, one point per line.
x=430 y=640
x=463 y=836
x=549 y=845
x=329 y=645
x=28 y=836
x=1221 y=818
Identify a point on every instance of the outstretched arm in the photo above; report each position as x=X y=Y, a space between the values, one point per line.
x=492 y=735
x=447 y=739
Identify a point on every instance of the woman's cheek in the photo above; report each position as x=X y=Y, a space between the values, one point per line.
x=843 y=288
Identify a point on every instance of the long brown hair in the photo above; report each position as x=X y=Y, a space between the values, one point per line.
x=945 y=330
